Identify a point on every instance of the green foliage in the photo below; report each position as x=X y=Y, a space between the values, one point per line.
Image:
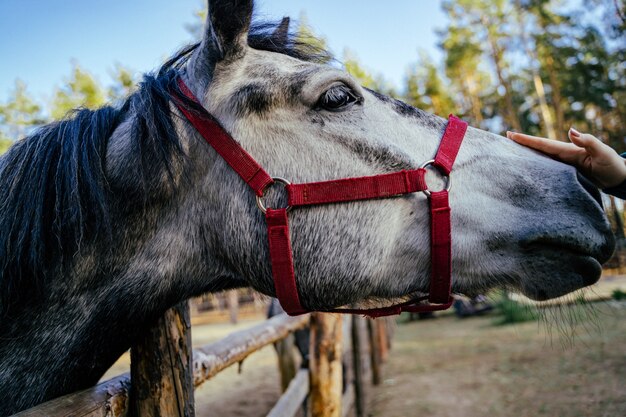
x=19 y=114
x=427 y=90
x=618 y=295
x=305 y=34
x=80 y=90
x=5 y=144
x=195 y=28
x=125 y=83
x=354 y=68
x=509 y=311
x=364 y=77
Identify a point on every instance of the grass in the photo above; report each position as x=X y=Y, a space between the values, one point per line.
x=618 y=295
x=509 y=311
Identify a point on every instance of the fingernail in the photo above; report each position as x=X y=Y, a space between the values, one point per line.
x=574 y=132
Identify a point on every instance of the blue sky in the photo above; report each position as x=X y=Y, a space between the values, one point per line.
x=40 y=39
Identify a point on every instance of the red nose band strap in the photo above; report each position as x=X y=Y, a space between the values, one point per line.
x=353 y=189
x=338 y=191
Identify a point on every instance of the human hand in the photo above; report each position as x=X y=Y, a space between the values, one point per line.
x=596 y=160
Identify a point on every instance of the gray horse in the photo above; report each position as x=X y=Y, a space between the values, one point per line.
x=114 y=215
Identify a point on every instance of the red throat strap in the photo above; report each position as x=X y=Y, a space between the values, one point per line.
x=339 y=191
x=234 y=155
x=282 y=261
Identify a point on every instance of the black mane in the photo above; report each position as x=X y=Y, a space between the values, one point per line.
x=54 y=194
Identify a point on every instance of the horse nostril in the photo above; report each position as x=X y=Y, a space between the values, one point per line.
x=590 y=188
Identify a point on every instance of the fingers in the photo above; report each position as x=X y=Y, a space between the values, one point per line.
x=547 y=146
x=584 y=140
x=597 y=161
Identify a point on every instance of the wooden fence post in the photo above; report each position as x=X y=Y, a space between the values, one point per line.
x=382 y=339
x=232 y=298
x=161 y=368
x=357 y=365
x=391 y=329
x=325 y=365
x=375 y=351
x=286 y=360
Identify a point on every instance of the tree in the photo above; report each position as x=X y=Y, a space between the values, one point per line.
x=125 y=83
x=354 y=68
x=197 y=26
x=463 y=57
x=427 y=90
x=5 y=144
x=80 y=90
x=549 y=30
x=614 y=18
x=582 y=67
x=487 y=22
x=374 y=82
x=20 y=114
x=306 y=34
x=530 y=47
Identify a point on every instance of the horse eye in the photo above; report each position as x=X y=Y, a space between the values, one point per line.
x=338 y=98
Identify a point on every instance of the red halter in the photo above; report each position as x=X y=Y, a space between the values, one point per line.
x=337 y=191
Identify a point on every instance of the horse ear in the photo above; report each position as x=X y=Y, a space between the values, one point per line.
x=281 y=34
x=227 y=25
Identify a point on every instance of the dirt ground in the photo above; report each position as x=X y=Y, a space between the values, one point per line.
x=249 y=390
x=570 y=363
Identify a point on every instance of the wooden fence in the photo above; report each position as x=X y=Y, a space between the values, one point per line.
x=346 y=353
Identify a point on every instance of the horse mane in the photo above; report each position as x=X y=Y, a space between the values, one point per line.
x=54 y=194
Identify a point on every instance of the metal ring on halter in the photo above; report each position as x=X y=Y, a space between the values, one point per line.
x=259 y=199
x=446 y=177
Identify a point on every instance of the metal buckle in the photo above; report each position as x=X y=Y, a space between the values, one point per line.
x=259 y=199
x=446 y=177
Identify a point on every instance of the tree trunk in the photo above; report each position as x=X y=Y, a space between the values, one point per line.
x=325 y=365
x=496 y=54
x=475 y=103
x=557 y=100
x=375 y=351
x=382 y=339
x=619 y=222
x=357 y=365
x=161 y=368
x=546 y=115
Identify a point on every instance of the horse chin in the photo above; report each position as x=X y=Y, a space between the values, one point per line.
x=561 y=276
x=380 y=302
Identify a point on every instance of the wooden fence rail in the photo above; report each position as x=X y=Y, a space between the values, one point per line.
x=213 y=358
x=321 y=385
x=291 y=400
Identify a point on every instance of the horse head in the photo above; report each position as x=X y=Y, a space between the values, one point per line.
x=519 y=219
